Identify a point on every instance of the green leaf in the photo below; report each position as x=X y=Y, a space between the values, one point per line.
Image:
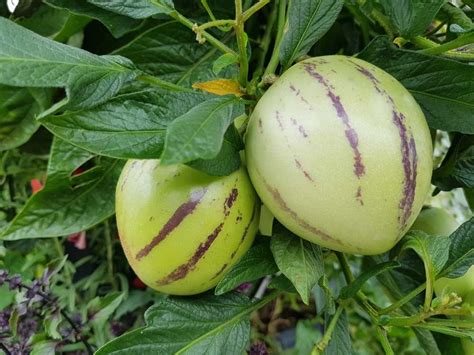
x=199 y=133
x=256 y=263
x=51 y=323
x=457 y=169
x=137 y=9
x=204 y=324
x=397 y=287
x=433 y=251
x=18 y=108
x=117 y=24
x=63 y=207
x=308 y=21
x=100 y=309
x=224 y=61
x=298 y=259
x=282 y=283
x=46 y=21
x=228 y=158
x=461 y=251
x=411 y=17
x=307 y=334
x=170 y=51
x=340 y=342
x=131 y=125
x=89 y=79
x=351 y=290
x=442 y=87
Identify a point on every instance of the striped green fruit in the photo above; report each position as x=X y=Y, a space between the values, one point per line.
x=181 y=229
x=341 y=154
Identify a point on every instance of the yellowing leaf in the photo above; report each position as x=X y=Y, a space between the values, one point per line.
x=220 y=87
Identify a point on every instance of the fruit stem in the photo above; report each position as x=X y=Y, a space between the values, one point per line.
x=323 y=343
x=272 y=65
x=405 y=299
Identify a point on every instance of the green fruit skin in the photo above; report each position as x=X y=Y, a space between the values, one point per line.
x=341 y=154
x=182 y=230
x=436 y=221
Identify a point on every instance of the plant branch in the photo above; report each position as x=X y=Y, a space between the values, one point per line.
x=215 y=23
x=272 y=65
x=208 y=9
x=448 y=46
x=265 y=42
x=252 y=10
x=405 y=299
x=210 y=38
x=431 y=47
x=323 y=343
x=241 y=43
x=381 y=334
x=361 y=297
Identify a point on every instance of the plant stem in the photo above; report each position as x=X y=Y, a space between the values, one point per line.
x=252 y=10
x=323 y=343
x=241 y=43
x=445 y=47
x=428 y=44
x=110 y=255
x=210 y=38
x=360 y=17
x=208 y=10
x=361 y=297
x=265 y=42
x=215 y=23
x=273 y=63
x=382 y=337
x=405 y=299
x=163 y=84
x=65 y=315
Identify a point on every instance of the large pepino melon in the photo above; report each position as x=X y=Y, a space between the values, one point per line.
x=341 y=154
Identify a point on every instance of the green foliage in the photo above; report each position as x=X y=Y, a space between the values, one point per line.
x=138 y=101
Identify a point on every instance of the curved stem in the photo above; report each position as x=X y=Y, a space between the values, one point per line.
x=252 y=10
x=428 y=44
x=272 y=65
x=241 y=43
x=215 y=23
x=210 y=38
